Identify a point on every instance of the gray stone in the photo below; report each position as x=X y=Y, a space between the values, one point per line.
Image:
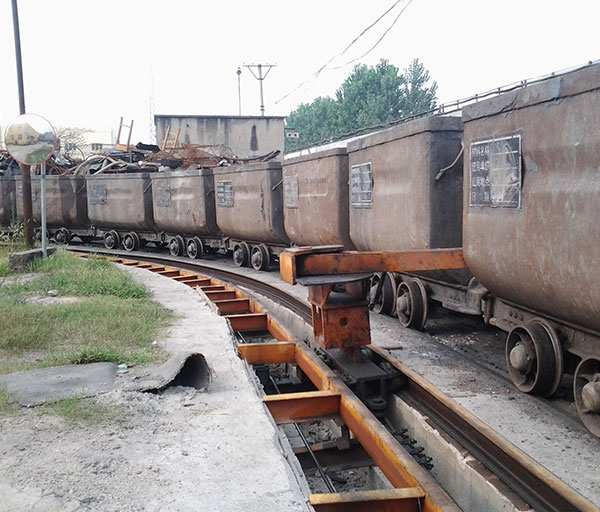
x=21 y=260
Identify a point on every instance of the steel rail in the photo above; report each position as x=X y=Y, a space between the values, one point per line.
x=540 y=488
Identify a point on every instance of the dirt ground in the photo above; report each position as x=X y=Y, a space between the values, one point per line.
x=182 y=450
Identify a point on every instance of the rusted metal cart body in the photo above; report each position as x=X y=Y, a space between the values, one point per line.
x=121 y=202
x=183 y=202
x=395 y=201
x=531 y=207
x=315 y=192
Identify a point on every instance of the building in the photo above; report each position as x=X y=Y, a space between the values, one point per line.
x=245 y=136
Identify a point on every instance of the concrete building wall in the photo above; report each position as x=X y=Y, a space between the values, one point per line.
x=246 y=136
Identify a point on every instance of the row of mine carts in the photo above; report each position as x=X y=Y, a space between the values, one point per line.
x=514 y=181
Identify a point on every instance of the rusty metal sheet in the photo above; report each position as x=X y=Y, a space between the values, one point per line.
x=66 y=201
x=268 y=353
x=302 y=407
x=128 y=203
x=316 y=198
x=252 y=202
x=384 y=500
x=395 y=201
x=543 y=252
x=248 y=322
x=184 y=202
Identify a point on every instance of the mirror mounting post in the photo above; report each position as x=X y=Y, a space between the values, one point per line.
x=27 y=206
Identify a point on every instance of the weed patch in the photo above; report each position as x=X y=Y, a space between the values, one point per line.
x=115 y=321
x=79 y=410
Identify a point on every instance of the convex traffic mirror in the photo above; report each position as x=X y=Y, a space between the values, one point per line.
x=30 y=139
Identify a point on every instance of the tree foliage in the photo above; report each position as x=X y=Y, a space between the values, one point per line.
x=368 y=97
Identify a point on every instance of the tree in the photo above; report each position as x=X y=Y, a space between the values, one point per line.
x=416 y=97
x=316 y=121
x=370 y=96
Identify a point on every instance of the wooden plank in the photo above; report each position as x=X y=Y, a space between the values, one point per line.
x=299 y=407
x=268 y=353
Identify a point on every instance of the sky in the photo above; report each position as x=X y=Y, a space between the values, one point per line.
x=87 y=63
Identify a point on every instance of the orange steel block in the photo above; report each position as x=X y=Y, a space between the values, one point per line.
x=220 y=294
x=340 y=326
x=233 y=305
x=386 y=500
x=287 y=267
x=249 y=322
x=300 y=407
x=268 y=353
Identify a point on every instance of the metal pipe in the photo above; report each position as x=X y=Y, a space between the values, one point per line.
x=239 y=72
x=43 y=208
x=260 y=81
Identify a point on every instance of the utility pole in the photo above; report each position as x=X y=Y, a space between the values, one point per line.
x=25 y=169
x=260 y=79
x=239 y=72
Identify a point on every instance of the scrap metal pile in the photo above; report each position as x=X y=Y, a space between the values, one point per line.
x=142 y=158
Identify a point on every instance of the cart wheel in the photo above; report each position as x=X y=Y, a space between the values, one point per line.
x=241 y=255
x=534 y=358
x=586 y=388
x=195 y=248
x=112 y=240
x=382 y=293
x=62 y=236
x=411 y=304
x=260 y=257
x=177 y=246
x=131 y=241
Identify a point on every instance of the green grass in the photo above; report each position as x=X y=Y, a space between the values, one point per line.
x=84 y=411
x=7 y=405
x=115 y=320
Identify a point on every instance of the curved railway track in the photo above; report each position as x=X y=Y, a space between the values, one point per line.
x=536 y=486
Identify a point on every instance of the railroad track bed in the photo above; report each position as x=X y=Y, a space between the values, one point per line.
x=548 y=435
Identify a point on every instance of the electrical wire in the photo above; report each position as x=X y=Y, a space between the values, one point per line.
x=378 y=41
x=355 y=40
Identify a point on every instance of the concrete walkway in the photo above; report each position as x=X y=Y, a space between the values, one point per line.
x=182 y=450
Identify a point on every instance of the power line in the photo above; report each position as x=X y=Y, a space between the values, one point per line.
x=355 y=40
x=378 y=41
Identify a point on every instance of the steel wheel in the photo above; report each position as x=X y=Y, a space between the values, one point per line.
x=382 y=293
x=241 y=255
x=195 y=248
x=586 y=388
x=411 y=304
x=177 y=246
x=534 y=358
x=112 y=240
x=62 y=236
x=260 y=258
x=131 y=241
